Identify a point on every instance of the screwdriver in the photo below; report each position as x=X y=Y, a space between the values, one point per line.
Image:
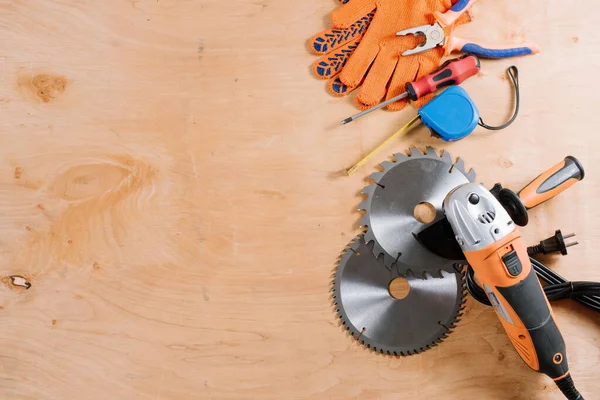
x=450 y=116
x=452 y=72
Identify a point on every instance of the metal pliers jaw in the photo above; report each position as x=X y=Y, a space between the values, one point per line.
x=434 y=36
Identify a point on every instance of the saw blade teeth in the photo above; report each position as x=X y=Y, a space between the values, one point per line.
x=471 y=175
x=369 y=190
x=431 y=151
x=387 y=165
x=364 y=221
x=415 y=152
x=444 y=274
x=460 y=165
x=369 y=238
x=400 y=157
x=376 y=176
x=446 y=157
x=363 y=204
x=355 y=243
x=387 y=259
x=377 y=250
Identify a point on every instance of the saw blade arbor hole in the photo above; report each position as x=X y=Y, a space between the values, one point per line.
x=399 y=288
x=424 y=212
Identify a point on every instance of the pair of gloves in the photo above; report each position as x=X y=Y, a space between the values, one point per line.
x=362 y=49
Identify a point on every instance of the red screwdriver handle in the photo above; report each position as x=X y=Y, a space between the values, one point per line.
x=452 y=72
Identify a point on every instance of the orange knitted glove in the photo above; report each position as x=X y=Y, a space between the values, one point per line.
x=377 y=62
x=336 y=46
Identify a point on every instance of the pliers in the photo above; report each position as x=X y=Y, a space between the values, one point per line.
x=435 y=36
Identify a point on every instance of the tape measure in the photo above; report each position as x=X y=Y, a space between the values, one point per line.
x=451 y=115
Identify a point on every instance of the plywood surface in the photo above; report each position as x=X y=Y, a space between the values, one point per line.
x=170 y=187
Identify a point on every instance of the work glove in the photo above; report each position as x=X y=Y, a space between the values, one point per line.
x=373 y=59
x=336 y=45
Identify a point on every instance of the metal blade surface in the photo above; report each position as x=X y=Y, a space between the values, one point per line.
x=418 y=178
x=388 y=325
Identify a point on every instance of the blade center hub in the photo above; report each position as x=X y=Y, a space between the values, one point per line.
x=424 y=212
x=399 y=288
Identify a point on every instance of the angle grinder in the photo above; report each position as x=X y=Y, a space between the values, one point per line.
x=492 y=244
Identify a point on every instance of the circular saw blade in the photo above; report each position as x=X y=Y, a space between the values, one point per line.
x=390 y=205
x=383 y=323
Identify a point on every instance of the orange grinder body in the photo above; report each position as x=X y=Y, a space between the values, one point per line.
x=493 y=247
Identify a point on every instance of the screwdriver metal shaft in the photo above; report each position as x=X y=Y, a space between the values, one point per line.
x=377 y=107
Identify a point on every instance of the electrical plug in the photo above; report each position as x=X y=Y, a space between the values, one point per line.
x=553 y=244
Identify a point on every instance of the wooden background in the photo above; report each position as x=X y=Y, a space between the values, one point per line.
x=170 y=187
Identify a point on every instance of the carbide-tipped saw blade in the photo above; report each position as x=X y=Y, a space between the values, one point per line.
x=390 y=206
x=383 y=323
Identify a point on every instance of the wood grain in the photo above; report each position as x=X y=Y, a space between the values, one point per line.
x=170 y=187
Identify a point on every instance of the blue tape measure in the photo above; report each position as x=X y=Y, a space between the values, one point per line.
x=451 y=115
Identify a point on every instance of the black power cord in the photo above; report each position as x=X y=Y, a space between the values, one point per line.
x=567 y=387
x=513 y=73
x=558 y=288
